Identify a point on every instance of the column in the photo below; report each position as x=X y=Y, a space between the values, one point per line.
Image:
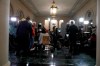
x=4 y=32
x=98 y=34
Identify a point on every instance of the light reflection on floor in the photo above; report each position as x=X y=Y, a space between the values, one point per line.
x=57 y=58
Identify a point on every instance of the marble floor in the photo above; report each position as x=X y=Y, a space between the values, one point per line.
x=60 y=57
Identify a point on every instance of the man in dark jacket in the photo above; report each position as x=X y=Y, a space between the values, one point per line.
x=73 y=30
x=24 y=34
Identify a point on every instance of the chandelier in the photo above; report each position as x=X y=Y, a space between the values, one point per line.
x=53 y=9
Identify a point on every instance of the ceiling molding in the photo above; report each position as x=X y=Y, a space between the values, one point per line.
x=77 y=6
x=30 y=6
x=35 y=10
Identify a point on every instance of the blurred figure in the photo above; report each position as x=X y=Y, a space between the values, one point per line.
x=67 y=28
x=24 y=33
x=44 y=30
x=60 y=41
x=54 y=37
x=12 y=35
x=33 y=35
x=39 y=30
x=80 y=33
x=73 y=30
x=93 y=41
x=43 y=39
x=39 y=27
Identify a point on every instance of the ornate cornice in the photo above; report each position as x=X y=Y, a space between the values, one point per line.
x=77 y=6
x=30 y=6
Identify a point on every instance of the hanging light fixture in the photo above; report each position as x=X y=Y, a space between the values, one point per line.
x=53 y=9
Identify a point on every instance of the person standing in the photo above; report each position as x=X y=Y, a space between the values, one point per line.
x=33 y=35
x=73 y=30
x=24 y=33
x=54 y=37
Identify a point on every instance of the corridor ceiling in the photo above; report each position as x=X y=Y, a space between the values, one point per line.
x=65 y=7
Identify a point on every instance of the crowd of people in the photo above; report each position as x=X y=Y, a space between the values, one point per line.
x=22 y=39
x=78 y=37
x=27 y=33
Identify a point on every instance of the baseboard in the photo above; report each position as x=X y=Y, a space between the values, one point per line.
x=7 y=64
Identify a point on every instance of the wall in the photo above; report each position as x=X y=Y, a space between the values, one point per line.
x=19 y=9
x=90 y=6
x=41 y=19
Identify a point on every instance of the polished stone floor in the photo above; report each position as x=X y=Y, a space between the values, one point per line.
x=60 y=57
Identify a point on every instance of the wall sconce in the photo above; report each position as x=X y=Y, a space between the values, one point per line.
x=81 y=19
x=72 y=21
x=13 y=19
x=86 y=22
x=91 y=23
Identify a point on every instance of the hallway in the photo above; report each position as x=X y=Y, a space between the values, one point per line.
x=57 y=58
x=43 y=16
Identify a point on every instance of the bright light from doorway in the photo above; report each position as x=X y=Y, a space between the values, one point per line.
x=53 y=21
x=13 y=19
x=49 y=19
x=86 y=22
x=91 y=23
x=46 y=20
x=61 y=21
x=72 y=21
x=81 y=19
